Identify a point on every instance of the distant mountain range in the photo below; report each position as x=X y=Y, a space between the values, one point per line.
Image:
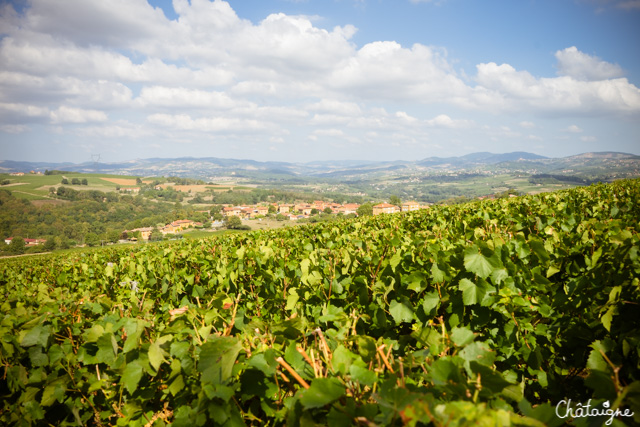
x=212 y=167
x=481 y=158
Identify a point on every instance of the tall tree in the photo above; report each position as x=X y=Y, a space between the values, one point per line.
x=365 y=209
x=232 y=222
x=16 y=246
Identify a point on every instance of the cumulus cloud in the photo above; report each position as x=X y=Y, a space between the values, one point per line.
x=580 y=66
x=404 y=117
x=447 y=122
x=270 y=113
x=329 y=132
x=179 y=97
x=13 y=128
x=207 y=124
x=387 y=71
x=293 y=46
x=121 y=129
x=574 y=129
x=24 y=110
x=95 y=23
x=66 y=114
x=50 y=57
x=337 y=107
x=86 y=65
x=502 y=87
x=255 y=87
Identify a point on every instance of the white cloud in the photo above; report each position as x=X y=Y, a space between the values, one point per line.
x=329 y=132
x=89 y=93
x=330 y=120
x=445 y=121
x=49 y=57
x=185 y=122
x=503 y=88
x=24 y=110
x=580 y=66
x=179 y=97
x=10 y=80
x=13 y=128
x=293 y=46
x=334 y=106
x=255 y=87
x=386 y=71
x=118 y=129
x=76 y=115
x=115 y=23
x=270 y=113
x=404 y=117
x=574 y=129
x=100 y=93
x=87 y=64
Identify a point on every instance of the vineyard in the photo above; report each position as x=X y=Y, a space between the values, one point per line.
x=506 y=312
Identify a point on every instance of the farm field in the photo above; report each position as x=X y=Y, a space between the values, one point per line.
x=485 y=313
x=36 y=187
x=432 y=188
x=125 y=181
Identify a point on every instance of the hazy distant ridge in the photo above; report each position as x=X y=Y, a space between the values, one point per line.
x=212 y=166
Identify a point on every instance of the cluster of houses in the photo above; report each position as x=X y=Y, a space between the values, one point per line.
x=27 y=242
x=291 y=211
x=303 y=210
x=389 y=208
x=22 y=173
x=173 y=228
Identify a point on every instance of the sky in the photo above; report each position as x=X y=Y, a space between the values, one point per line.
x=307 y=80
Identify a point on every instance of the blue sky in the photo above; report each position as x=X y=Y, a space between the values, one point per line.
x=297 y=80
x=524 y=33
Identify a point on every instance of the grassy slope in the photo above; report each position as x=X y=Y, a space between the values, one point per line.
x=36 y=187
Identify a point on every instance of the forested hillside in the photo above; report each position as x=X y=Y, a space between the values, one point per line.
x=489 y=313
x=94 y=217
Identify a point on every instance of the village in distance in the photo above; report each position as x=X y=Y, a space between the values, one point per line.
x=44 y=208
